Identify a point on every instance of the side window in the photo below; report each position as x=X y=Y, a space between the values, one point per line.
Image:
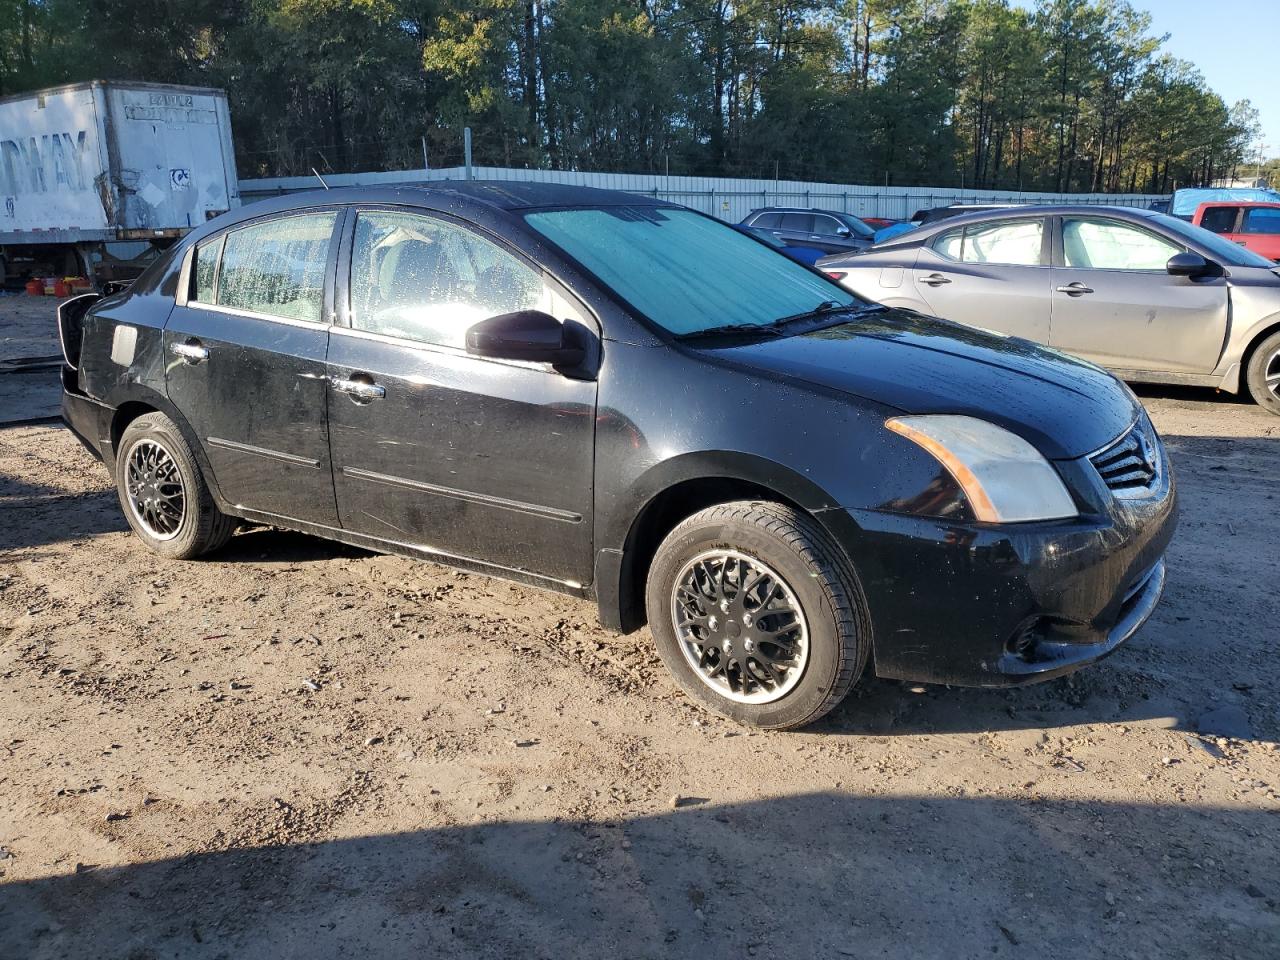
x=1219 y=219
x=768 y=221
x=1006 y=242
x=1110 y=245
x=1261 y=220
x=206 y=269
x=1013 y=242
x=950 y=244
x=827 y=226
x=798 y=222
x=277 y=267
x=425 y=279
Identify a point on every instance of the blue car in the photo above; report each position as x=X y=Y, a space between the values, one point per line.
x=805 y=255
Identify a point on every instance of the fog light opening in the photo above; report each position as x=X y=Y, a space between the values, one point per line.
x=1023 y=644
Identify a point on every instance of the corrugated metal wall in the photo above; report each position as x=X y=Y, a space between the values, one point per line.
x=720 y=196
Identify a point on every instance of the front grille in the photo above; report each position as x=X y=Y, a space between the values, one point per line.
x=1131 y=465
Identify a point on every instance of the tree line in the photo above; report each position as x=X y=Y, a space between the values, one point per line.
x=1072 y=95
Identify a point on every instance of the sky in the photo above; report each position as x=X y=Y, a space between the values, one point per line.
x=1235 y=44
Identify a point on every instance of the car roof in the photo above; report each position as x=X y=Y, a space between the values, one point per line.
x=469 y=199
x=1013 y=213
x=1237 y=203
x=834 y=213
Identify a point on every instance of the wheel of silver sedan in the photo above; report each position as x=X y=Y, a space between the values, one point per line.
x=740 y=626
x=1271 y=372
x=157 y=496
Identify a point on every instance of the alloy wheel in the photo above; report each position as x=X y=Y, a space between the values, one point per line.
x=156 y=493
x=1271 y=374
x=740 y=626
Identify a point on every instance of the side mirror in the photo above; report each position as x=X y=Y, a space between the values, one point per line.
x=843 y=232
x=1189 y=265
x=526 y=335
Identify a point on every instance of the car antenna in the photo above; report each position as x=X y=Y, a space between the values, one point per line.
x=320 y=178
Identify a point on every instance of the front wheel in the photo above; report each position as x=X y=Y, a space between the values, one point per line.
x=1263 y=374
x=758 y=614
x=162 y=493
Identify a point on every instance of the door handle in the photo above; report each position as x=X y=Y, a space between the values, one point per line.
x=360 y=390
x=1074 y=289
x=934 y=280
x=191 y=352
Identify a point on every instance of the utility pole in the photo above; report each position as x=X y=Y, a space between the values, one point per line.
x=425 y=164
x=466 y=150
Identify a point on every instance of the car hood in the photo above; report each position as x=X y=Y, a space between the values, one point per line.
x=1065 y=407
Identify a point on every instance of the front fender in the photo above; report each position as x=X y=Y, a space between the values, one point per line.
x=617 y=526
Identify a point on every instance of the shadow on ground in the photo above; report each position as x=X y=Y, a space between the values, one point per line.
x=818 y=875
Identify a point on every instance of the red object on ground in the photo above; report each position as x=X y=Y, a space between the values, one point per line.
x=61 y=289
x=1251 y=224
x=35 y=288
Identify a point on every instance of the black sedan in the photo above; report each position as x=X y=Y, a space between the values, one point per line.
x=626 y=400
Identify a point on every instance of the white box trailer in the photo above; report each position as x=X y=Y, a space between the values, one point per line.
x=91 y=171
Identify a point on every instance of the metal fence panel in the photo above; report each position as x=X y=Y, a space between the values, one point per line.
x=723 y=197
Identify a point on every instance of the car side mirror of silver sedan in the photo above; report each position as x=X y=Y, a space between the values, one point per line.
x=1191 y=265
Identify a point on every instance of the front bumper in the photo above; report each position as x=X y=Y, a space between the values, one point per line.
x=987 y=605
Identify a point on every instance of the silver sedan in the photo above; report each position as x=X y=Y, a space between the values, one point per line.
x=1149 y=296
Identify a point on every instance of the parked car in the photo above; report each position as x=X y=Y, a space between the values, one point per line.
x=1146 y=294
x=1252 y=225
x=805 y=255
x=1184 y=202
x=828 y=230
x=625 y=400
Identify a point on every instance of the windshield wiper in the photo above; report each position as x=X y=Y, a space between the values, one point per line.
x=774 y=327
x=825 y=307
x=763 y=329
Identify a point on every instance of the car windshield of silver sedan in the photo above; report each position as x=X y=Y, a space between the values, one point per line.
x=688 y=273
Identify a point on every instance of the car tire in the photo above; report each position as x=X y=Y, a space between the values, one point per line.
x=1264 y=363
x=163 y=494
x=757 y=661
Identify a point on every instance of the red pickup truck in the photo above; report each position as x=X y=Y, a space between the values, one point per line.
x=1250 y=224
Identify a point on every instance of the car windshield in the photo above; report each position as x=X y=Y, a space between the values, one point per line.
x=686 y=272
x=1223 y=250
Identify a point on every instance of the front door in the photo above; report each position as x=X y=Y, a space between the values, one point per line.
x=993 y=275
x=480 y=459
x=1115 y=304
x=245 y=363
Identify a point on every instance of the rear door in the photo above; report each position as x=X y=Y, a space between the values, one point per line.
x=795 y=228
x=1115 y=304
x=245 y=362
x=992 y=274
x=475 y=458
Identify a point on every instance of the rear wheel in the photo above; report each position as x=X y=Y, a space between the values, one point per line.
x=162 y=493
x=1263 y=374
x=758 y=614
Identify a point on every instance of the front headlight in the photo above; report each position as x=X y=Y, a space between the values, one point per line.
x=1006 y=479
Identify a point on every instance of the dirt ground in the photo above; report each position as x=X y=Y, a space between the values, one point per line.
x=299 y=749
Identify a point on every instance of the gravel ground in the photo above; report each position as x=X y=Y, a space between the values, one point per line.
x=299 y=749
